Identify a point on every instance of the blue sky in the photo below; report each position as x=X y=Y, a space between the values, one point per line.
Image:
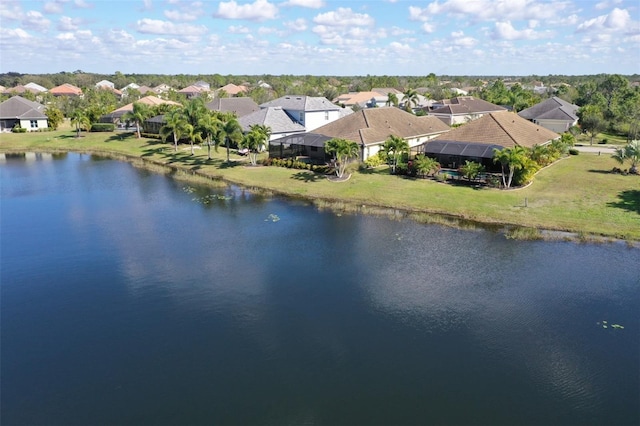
x=321 y=37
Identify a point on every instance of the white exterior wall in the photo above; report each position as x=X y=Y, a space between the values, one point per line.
x=557 y=126
x=26 y=124
x=374 y=148
x=314 y=119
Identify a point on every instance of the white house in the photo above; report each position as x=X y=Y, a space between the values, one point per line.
x=554 y=114
x=18 y=111
x=309 y=111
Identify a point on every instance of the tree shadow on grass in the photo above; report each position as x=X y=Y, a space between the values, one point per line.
x=602 y=172
x=120 y=136
x=307 y=176
x=628 y=200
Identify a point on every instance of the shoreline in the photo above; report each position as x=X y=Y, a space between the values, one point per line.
x=342 y=206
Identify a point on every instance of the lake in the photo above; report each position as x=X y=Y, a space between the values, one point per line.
x=131 y=298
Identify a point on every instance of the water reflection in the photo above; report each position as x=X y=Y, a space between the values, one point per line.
x=165 y=306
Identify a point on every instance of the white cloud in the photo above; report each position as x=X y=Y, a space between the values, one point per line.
x=400 y=48
x=34 y=20
x=82 y=4
x=606 y=4
x=299 y=24
x=344 y=17
x=312 y=4
x=397 y=31
x=154 y=26
x=54 y=7
x=506 y=31
x=176 y=15
x=15 y=36
x=428 y=28
x=260 y=10
x=238 y=29
x=66 y=23
x=618 y=19
x=493 y=9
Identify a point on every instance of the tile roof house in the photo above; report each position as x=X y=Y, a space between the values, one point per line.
x=309 y=111
x=371 y=127
x=462 y=109
x=232 y=90
x=239 y=106
x=161 y=88
x=107 y=85
x=115 y=115
x=35 y=87
x=362 y=99
x=475 y=141
x=18 y=111
x=193 y=91
x=19 y=90
x=275 y=118
x=66 y=89
x=554 y=114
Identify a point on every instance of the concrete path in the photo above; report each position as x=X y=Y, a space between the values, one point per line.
x=595 y=149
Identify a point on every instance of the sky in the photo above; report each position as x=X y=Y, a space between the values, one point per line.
x=321 y=37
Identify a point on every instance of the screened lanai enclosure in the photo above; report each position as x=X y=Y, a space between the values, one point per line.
x=452 y=154
x=305 y=146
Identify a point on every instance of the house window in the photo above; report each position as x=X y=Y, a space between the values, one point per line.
x=326 y=115
x=302 y=117
x=34 y=124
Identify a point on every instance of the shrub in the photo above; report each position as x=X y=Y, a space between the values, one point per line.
x=441 y=177
x=18 y=129
x=573 y=151
x=102 y=127
x=375 y=160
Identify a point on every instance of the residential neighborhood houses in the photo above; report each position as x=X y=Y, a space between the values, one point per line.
x=456 y=130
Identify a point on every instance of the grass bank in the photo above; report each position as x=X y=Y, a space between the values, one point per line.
x=576 y=195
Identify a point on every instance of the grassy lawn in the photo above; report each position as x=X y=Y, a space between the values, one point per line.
x=577 y=194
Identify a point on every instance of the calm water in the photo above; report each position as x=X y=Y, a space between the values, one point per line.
x=128 y=298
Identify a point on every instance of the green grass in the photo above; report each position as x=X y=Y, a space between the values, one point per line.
x=577 y=194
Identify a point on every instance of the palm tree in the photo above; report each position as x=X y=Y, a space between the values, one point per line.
x=511 y=158
x=392 y=99
x=138 y=115
x=343 y=150
x=425 y=166
x=175 y=125
x=629 y=152
x=80 y=119
x=255 y=141
x=208 y=126
x=410 y=99
x=230 y=130
x=394 y=147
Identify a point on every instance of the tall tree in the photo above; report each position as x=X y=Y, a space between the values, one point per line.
x=138 y=115
x=54 y=116
x=591 y=120
x=209 y=126
x=255 y=140
x=510 y=159
x=229 y=131
x=394 y=147
x=175 y=125
x=343 y=151
x=80 y=119
x=410 y=99
x=392 y=99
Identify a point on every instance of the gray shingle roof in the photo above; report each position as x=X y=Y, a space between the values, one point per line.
x=19 y=107
x=274 y=117
x=551 y=109
x=301 y=103
x=239 y=106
